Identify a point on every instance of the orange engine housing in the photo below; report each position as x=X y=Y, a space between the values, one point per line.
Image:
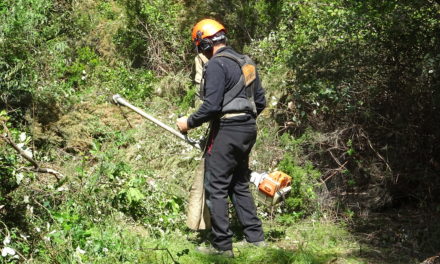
x=274 y=182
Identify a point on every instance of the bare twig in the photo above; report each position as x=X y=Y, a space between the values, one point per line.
x=47 y=210
x=335 y=159
x=374 y=150
x=6 y=228
x=335 y=171
x=8 y=139
x=21 y=255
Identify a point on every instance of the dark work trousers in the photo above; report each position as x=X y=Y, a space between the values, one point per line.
x=227 y=174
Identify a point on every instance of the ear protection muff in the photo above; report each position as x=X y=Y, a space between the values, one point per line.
x=202 y=44
x=206 y=44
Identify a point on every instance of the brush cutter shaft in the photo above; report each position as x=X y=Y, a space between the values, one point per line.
x=119 y=100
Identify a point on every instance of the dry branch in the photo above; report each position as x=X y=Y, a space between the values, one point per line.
x=374 y=150
x=336 y=171
x=8 y=139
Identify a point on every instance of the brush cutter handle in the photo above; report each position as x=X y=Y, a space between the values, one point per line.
x=117 y=99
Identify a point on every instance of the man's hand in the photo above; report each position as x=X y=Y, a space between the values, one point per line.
x=182 y=124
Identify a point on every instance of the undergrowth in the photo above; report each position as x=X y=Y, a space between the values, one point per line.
x=332 y=126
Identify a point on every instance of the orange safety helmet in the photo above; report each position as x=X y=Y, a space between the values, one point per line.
x=205 y=33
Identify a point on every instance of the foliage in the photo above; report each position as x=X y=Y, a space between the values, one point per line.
x=190 y=98
x=76 y=74
x=136 y=198
x=133 y=84
x=351 y=92
x=366 y=64
x=154 y=37
x=10 y=176
x=303 y=199
x=20 y=32
x=335 y=47
x=246 y=20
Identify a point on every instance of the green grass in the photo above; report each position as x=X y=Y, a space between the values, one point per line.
x=119 y=240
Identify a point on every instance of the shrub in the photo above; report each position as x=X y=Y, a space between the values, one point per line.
x=154 y=37
x=367 y=65
x=302 y=199
x=21 y=24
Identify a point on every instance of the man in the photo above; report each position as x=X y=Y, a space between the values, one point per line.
x=232 y=99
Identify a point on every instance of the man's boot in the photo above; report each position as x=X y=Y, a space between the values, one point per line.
x=213 y=251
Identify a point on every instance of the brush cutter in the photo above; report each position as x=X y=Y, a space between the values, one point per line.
x=273 y=187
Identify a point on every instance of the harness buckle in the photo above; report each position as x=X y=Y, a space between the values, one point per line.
x=230 y=115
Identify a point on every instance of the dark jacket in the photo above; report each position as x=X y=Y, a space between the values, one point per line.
x=221 y=75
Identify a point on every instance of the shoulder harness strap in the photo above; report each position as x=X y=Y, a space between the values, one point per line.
x=248 y=76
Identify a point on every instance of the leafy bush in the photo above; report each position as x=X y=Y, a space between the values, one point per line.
x=8 y=174
x=84 y=64
x=10 y=161
x=21 y=24
x=302 y=199
x=154 y=36
x=134 y=84
x=142 y=198
x=189 y=99
x=368 y=65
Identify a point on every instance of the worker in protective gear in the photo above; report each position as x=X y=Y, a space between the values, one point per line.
x=232 y=99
